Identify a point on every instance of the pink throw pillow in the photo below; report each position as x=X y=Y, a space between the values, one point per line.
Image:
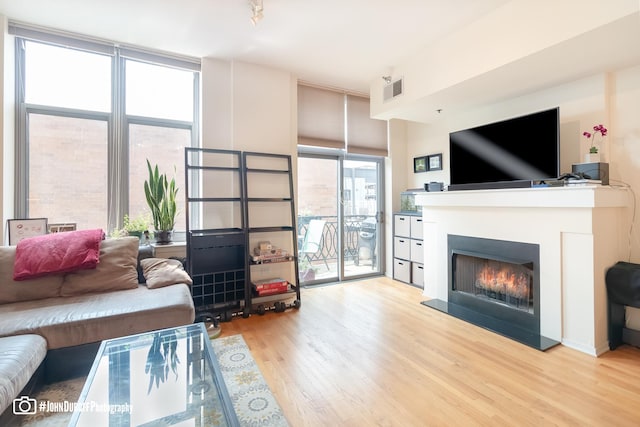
x=57 y=253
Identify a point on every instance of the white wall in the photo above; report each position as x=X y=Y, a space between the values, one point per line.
x=252 y=108
x=395 y=183
x=247 y=107
x=517 y=47
x=582 y=103
x=624 y=142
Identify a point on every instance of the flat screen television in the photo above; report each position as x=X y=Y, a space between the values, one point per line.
x=509 y=153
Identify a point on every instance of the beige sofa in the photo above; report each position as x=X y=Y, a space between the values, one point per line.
x=74 y=311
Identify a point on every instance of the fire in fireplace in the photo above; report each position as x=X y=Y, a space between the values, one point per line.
x=502 y=282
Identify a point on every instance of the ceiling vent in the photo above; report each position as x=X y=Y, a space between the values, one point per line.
x=393 y=89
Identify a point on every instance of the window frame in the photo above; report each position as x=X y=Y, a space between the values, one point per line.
x=117 y=120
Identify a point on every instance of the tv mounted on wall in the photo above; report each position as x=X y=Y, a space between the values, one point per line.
x=511 y=153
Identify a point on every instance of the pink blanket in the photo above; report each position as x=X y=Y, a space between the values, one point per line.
x=57 y=253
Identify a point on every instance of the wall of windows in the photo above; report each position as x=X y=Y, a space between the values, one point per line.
x=90 y=115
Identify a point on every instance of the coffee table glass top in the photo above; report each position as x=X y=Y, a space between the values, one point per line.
x=163 y=378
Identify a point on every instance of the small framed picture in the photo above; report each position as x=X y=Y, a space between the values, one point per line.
x=419 y=164
x=22 y=228
x=434 y=162
x=59 y=228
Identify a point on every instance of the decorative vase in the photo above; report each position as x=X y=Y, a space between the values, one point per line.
x=592 y=157
x=163 y=237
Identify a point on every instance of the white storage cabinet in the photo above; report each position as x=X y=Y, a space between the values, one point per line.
x=408 y=249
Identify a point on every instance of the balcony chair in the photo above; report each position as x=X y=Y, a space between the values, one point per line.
x=312 y=246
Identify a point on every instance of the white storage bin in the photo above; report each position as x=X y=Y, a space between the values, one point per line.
x=401 y=270
x=402 y=224
x=417 y=251
x=402 y=247
x=417 y=274
x=416 y=227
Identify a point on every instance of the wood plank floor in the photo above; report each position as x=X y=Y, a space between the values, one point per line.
x=367 y=353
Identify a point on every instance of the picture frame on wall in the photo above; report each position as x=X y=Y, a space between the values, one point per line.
x=22 y=228
x=419 y=164
x=434 y=162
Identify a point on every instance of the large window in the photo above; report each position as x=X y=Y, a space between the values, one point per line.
x=67 y=169
x=90 y=115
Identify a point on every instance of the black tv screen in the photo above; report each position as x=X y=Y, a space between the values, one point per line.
x=524 y=148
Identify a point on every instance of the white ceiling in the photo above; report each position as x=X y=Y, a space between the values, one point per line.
x=339 y=43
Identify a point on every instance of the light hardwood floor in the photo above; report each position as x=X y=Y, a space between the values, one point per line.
x=367 y=353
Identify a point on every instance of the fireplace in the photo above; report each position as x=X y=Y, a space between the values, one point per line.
x=580 y=232
x=495 y=284
x=496 y=278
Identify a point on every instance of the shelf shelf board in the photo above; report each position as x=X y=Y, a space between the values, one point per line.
x=270 y=229
x=214 y=199
x=275 y=171
x=275 y=297
x=269 y=199
x=216 y=168
x=279 y=260
x=209 y=231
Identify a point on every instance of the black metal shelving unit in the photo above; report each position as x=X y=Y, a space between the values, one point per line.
x=228 y=206
x=216 y=232
x=269 y=213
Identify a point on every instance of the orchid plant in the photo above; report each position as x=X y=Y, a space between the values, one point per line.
x=596 y=129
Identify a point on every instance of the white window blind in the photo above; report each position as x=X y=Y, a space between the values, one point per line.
x=320 y=117
x=364 y=134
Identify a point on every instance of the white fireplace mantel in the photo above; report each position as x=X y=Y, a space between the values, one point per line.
x=581 y=230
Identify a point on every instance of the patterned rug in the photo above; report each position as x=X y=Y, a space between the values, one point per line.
x=252 y=399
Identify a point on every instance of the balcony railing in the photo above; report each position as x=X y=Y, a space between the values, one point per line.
x=327 y=251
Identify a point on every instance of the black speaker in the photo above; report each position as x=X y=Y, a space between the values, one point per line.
x=599 y=171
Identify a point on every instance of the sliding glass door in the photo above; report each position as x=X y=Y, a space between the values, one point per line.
x=339 y=207
x=361 y=212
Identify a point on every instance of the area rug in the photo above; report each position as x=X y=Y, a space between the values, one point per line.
x=252 y=399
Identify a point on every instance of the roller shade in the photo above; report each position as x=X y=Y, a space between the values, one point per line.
x=364 y=134
x=320 y=117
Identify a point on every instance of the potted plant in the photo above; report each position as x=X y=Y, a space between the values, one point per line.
x=306 y=270
x=135 y=226
x=593 y=155
x=161 y=198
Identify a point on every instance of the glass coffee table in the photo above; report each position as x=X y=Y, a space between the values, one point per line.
x=168 y=377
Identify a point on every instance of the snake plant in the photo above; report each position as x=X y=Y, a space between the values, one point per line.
x=161 y=198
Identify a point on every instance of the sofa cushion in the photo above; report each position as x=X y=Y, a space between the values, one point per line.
x=115 y=271
x=57 y=253
x=14 y=291
x=89 y=318
x=20 y=356
x=159 y=272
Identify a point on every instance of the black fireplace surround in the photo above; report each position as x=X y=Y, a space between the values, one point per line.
x=495 y=284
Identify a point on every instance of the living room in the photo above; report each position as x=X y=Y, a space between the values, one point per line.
x=585 y=92
x=552 y=59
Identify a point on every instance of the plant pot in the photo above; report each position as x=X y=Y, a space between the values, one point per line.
x=592 y=157
x=137 y=234
x=163 y=237
x=308 y=275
